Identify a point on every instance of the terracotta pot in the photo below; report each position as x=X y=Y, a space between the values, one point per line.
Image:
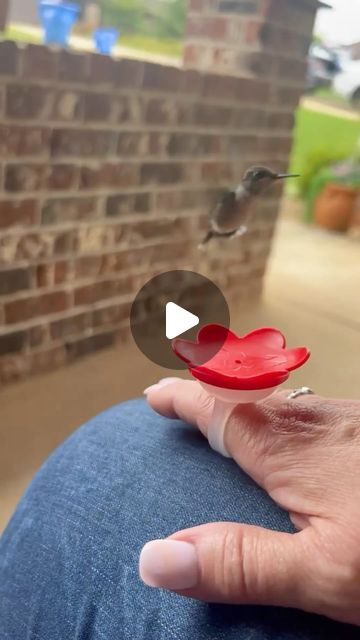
x=334 y=206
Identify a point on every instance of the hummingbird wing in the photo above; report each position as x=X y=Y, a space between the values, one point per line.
x=227 y=200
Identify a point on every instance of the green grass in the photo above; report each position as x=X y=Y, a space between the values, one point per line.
x=163 y=46
x=320 y=139
x=322 y=135
x=20 y=35
x=328 y=94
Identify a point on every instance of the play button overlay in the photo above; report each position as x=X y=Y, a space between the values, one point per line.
x=172 y=304
x=178 y=320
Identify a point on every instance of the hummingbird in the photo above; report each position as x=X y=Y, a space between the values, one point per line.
x=229 y=215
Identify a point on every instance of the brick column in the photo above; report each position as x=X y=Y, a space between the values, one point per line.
x=252 y=38
x=4 y=8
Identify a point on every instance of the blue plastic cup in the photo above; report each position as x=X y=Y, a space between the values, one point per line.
x=105 y=39
x=57 y=21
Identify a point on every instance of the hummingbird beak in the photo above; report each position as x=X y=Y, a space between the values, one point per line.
x=281 y=176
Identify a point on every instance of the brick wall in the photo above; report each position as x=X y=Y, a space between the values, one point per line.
x=107 y=171
x=4 y=8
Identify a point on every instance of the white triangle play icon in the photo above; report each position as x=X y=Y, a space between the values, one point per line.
x=178 y=320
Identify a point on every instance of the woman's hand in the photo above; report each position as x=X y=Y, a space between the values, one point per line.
x=306 y=454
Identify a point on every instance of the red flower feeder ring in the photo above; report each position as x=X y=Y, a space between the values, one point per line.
x=245 y=369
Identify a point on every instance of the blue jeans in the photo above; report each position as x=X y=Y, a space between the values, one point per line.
x=69 y=557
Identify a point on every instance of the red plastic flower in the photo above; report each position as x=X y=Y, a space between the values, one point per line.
x=258 y=360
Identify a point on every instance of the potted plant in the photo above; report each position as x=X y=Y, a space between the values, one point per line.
x=57 y=20
x=334 y=206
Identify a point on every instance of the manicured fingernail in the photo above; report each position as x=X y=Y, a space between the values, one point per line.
x=158 y=385
x=169 y=564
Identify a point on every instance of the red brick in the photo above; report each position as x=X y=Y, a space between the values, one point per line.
x=56 y=210
x=129 y=73
x=131 y=108
x=161 y=78
x=23 y=141
x=63 y=272
x=121 y=260
x=73 y=67
x=238 y=6
x=158 y=144
x=38 y=336
x=9 y=58
x=161 y=173
x=85 y=346
x=70 y=142
x=280 y=120
x=217 y=172
x=258 y=64
x=223 y=87
x=46 y=360
x=121 y=110
x=161 y=111
x=252 y=31
x=116 y=175
x=246 y=117
x=250 y=90
x=191 y=144
x=13 y=342
x=111 y=315
x=210 y=28
x=13 y=368
x=44 y=274
x=39 y=246
x=97 y=291
x=168 y=201
x=68 y=106
x=70 y=326
x=61 y=176
x=13 y=280
x=97 y=238
x=287 y=96
x=279 y=40
x=101 y=69
x=156 y=229
x=210 y=115
x=128 y=203
x=196 y=5
x=275 y=145
x=191 y=82
x=2 y=100
x=24 y=177
x=294 y=70
x=88 y=267
x=288 y=14
x=27 y=308
x=98 y=107
x=18 y=213
x=39 y=62
x=133 y=144
x=49 y=274
x=30 y=102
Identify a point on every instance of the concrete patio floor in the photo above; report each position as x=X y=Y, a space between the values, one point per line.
x=311 y=293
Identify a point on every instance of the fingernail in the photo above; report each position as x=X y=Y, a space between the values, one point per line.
x=169 y=564
x=158 y=385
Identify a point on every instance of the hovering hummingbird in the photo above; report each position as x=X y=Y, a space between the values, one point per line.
x=228 y=217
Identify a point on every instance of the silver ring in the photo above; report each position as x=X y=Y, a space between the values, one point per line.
x=303 y=391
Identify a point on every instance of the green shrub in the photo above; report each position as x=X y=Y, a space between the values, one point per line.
x=316 y=161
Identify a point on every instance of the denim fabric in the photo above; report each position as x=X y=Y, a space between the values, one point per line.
x=69 y=557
